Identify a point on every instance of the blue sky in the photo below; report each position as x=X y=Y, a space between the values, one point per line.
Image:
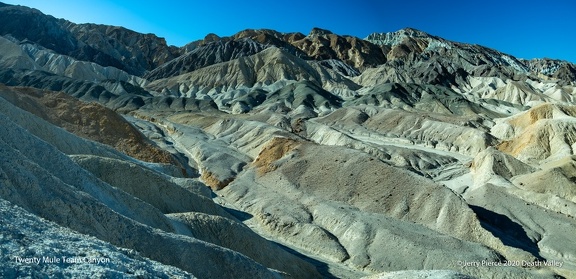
x=525 y=29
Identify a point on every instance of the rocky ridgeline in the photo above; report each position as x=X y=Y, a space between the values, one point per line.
x=280 y=155
x=118 y=47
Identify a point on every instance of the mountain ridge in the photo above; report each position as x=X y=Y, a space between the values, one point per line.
x=69 y=38
x=283 y=155
x=319 y=44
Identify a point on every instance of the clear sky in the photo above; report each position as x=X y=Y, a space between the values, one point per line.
x=525 y=29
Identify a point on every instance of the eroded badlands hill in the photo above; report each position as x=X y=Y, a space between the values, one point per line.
x=281 y=155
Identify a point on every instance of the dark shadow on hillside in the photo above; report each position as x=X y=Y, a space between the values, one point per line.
x=321 y=267
x=240 y=215
x=509 y=232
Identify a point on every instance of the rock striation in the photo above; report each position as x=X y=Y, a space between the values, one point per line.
x=92 y=121
x=281 y=155
x=206 y=55
x=54 y=181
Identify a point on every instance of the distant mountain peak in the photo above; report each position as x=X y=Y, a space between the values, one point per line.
x=414 y=32
x=319 y=32
x=396 y=37
x=407 y=31
x=211 y=37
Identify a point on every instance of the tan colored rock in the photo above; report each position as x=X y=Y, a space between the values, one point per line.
x=213 y=181
x=273 y=151
x=43 y=180
x=87 y=120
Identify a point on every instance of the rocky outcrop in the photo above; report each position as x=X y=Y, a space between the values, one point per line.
x=324 y=45
x=417 y=56
x=118 y=47
x=138 y=53
x=320 y=45
x=553 y=69
x=206 y=55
